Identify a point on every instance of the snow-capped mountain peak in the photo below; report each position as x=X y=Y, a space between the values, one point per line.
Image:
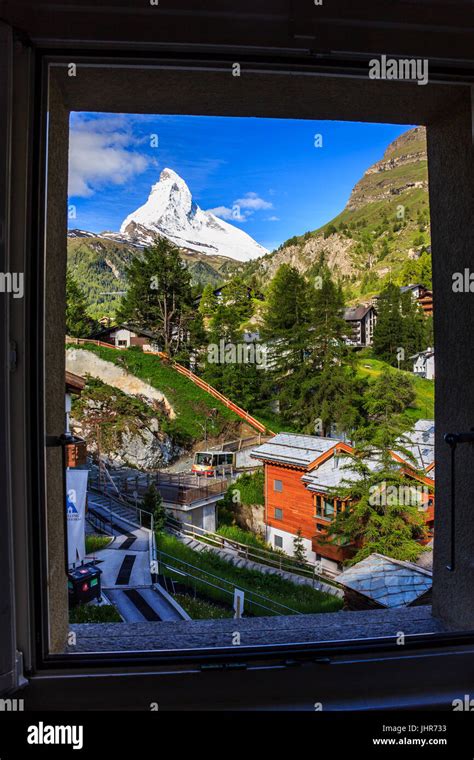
x=171 y=212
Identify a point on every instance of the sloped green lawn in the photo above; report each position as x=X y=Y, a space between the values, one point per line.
x=424 y=403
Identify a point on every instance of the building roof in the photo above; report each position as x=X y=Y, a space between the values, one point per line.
x=429 y=352
x=420 y=442
x=406 y=288
x=389 y=582
x=123 y=326
x=74 y=383
x=294 y=449
x=332 y=472
x=426 y=558
x=356 y=313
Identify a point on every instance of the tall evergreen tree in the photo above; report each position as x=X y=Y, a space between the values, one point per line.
x=384 y=513
x=208 y=302
x=329 y=389
x=78 y=322
x=388 y=332
x=285 y=330
x=235 y=373
x=159 y=296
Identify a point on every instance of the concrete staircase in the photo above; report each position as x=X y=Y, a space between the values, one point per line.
x=118 y=508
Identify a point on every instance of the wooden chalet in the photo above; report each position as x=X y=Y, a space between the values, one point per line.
x=303 y=472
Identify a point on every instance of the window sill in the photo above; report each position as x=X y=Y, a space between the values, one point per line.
x=203 y=634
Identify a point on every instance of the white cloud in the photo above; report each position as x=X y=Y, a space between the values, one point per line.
x=101 y=153
x=224 y=212
x=272 y=219
x=242 y=208
x=252 y=202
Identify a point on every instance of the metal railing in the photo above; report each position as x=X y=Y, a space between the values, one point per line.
x=175 y=488
x=198 y=576
x=282 y=562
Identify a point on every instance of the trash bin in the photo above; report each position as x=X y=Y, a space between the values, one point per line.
x=83 y=584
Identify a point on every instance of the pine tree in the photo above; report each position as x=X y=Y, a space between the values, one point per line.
x=153 y=502
x=286 y=332
x=384 y=513
x=329 y=387
x=208 y=302
x=242 y=379
x=299 y=551
x=386 y=401
x=388 y=332
x=159 y=296
x=78 y=323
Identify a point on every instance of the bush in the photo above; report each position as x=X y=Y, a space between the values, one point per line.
x=94 y=613
x=234 y=533
x=96 y=543
x=331 y=229
x=199 y=609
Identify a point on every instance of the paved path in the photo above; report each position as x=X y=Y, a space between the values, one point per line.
x=125 y=564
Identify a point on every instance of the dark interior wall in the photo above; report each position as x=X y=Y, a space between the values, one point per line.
x=54 y=332
x=451 y=184
x=415 y=27
x=7 y=603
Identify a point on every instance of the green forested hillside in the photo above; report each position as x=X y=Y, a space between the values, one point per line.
x=99 y=264
x=382 y=234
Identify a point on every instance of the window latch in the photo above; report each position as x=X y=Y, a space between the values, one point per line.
x=62 y=441
x=453 y=440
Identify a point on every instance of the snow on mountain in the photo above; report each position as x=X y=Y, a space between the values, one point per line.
x=171 y=212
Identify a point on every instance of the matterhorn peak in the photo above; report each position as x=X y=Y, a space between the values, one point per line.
x=170 y=212
x=168 y=173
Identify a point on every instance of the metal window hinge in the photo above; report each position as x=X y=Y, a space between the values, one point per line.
x=12 y=362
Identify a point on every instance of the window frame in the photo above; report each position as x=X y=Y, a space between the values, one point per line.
x=45 y=661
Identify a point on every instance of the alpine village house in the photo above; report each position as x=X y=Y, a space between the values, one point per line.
x=302 y=473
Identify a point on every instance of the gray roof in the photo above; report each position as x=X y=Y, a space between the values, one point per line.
x=124 y=326
x=421 y=443
x=387 y=581
x=292 y=448
x=426 y=558
x=333 y=472
x=429 y=352
x=406 y=288
x=356 y=313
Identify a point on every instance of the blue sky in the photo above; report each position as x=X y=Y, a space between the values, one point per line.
x=283 y=184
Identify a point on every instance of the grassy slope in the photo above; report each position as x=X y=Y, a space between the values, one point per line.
x=424 y=403
x=191 y=404
x=298 y=597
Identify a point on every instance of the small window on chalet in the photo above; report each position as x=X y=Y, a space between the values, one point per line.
x=278 y=486
x=278 y=514
x=325 y=507
x=278 y=542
